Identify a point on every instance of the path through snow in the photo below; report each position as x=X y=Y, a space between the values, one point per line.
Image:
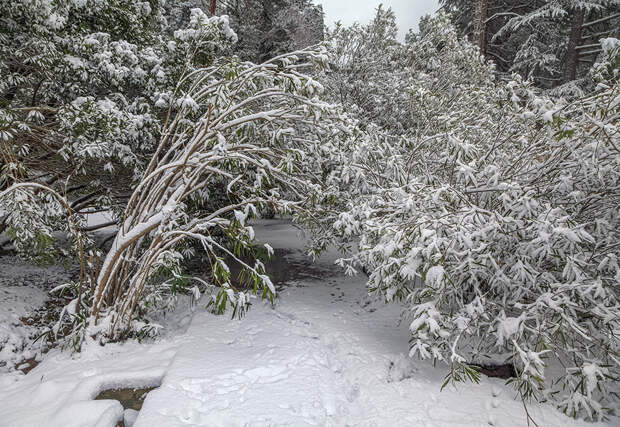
x=325 y=355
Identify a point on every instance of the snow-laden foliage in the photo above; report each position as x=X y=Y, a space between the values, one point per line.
x=361 y=58
x=606 y=71
x=496 y=221
x=106 y=106
x=258 y=134
x=488 y=209
x=538 y=37
x=85 y=88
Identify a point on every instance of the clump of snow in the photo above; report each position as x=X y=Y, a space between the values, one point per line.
x=60 y=391
x=15 y=303
x=129 y=417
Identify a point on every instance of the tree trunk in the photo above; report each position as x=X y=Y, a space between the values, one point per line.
x=572 y=55
x=481 y=25
x=213 y=4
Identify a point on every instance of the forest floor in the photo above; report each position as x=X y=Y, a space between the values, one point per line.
x=325 y=355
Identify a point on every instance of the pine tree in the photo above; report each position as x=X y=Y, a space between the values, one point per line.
x=550 y=41
x=481 y=18
x=574 y=39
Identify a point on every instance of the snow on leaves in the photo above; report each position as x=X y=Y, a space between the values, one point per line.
x=494 y=219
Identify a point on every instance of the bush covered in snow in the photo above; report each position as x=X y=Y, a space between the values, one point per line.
x=489 y=208
x=496 y=220
x=86 y=86
x=258 y=133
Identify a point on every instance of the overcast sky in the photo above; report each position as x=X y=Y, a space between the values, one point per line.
x=408 y=12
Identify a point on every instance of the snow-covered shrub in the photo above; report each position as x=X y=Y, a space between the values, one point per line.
x=32 y=230
x=255 y=132
x=606 y=70
x=365 y=71
x=105 y=107
x=86 y=87
x=496 y=221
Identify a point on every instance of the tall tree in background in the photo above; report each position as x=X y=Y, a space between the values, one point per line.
x=550 y=41
x=572 y=55
x=361 y=58
x=267 y=28
x=481 y=23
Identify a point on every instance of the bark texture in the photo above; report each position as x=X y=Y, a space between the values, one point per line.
x=572 y=55
x=481 y=24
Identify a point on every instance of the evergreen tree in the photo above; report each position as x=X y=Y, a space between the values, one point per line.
x=267 y=28
x=551 y=41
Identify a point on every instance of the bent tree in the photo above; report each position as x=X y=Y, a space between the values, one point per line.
x=172 y=161
x=249 y=133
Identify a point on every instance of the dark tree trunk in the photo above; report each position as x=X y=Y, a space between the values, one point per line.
x=481 y=24
x=213 y=4
x=572 y=55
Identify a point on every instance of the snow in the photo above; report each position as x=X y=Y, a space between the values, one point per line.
x=99 y=218
x=129 y=417
x=23 y=288
x=15 y=303
x=326 y=354
x=60 y=391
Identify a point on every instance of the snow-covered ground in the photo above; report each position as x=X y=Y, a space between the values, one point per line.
x=15 y=334
x=23 y=288
x=326 y=354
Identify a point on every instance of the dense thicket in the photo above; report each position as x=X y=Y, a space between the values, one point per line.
x=489 y=208
x=151 y=120
x=87 y=86
x=485 y=205
x=85 y=89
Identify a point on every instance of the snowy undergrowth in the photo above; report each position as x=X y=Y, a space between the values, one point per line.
x=23 y=289
x=15 y=303
x=326 y=354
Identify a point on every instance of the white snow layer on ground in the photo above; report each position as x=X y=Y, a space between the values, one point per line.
x=326 y=355
x=23 y=288
x=59 y=392
x=16 y=302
